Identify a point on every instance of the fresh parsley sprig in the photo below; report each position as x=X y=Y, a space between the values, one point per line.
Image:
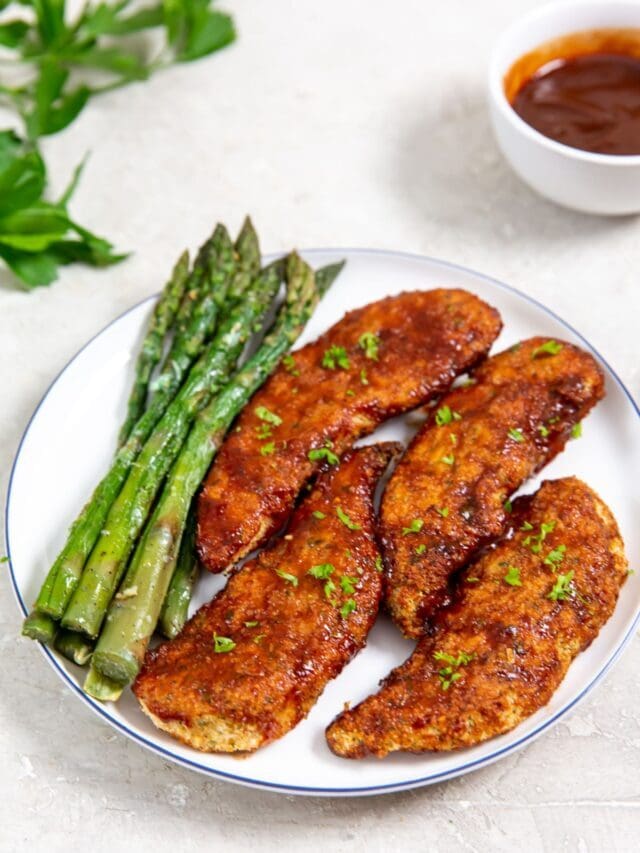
x=52 y=66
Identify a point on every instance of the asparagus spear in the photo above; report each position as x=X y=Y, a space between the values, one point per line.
x=150 y=353
x=134 y=612
x=101 y=687
x=190 y=335
x=175 y=608
x=130 y=510
x=74 y=647
x=38 y=626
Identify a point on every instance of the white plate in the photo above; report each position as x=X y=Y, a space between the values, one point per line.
x=67 y=445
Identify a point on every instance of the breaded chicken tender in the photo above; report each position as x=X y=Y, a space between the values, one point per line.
x=251 y=663
x=523 y=612
x=378 y=361
x=448 y=496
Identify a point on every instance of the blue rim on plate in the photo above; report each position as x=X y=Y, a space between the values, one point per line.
x=431 y=778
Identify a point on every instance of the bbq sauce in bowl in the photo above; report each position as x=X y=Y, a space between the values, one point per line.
x=582 y=90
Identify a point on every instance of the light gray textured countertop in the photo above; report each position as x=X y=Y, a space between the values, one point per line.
x=334 y=124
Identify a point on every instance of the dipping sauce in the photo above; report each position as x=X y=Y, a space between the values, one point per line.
x=582 y=90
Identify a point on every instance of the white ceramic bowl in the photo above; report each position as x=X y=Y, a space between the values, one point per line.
x=593 y=183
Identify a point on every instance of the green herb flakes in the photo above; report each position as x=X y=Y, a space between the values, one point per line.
x=370 y=344
x=444 y=511
x=449 y=674
x=548 y=348
x=348 y=607
x=378 y=564
x=321 y=571
x=445 y=415
x=554 y=558
x=512 y=576
x=576 y=431
x=414 y=527
x=268 y=449
x=318 y=514
x=344 y=518
x=420 y=549
x=286 y=576
x=289 y=363
x=269 y=417
x=222 y=644
x=348 y=585
x=336 y=357
x=449 y=459
x=323 y=453
x=562 y=587
x=516 y=435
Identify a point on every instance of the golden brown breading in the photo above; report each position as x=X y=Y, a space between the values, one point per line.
x=523 y=612
x=293 y=631
x=446 y=498
x=378 y=361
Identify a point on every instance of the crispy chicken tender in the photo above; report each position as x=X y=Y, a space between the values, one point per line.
x=522 y=614
x=446 y=498
x=377 y=362
x=251 y=663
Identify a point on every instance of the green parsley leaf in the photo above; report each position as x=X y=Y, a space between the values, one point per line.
x=378 y=564
x=526 y=525
x=4 y=559
x=289 y=363
x=369 y=343
x=576 y=431
x=350 y=392
x=320 y=453
x=263 y=431
x=449 y=459
x=269 y=417
x=222 y=644
x=534 y=542
x=472 y=580
x=415 y=527
x=512 y=576
x=329 y=589
x=508 y=506
x=445 y=415
x=336 y=357
x=268 y=449
x=286 y=576
x=444 y=511
x=348 y=607
x=554 y=558
x=363 y=377
x=252 y=624
x=420 y=549
x=449 y=674
x=348 y=585
x=544 y=432
x=318 y=514
x=259 y=638
x=562 y=587
x=321 y=571
x=516 y=435
x=344 y=518
x=548 y=348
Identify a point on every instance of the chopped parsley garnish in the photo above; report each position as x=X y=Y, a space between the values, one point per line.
x=263 y=431
x=4 y=559
x=319 y=453
x=544 y=432
x=318 y=514
x=378 y=564
x=269 y=417
x=449 y=674
x=508 y=506
x=253 y=624
x=444 y=511
x=348 y=607
x=473 y=580
x=415 y=527
x=321 y=571
x=350 y=392
x=290 y=365
x=286 y=576
x=329 y=589
x=420 y=549
x=336 y=357
x=369 y=343
x=562 y=587
x=555 y=557
x=344 y=518
x=268 y=449
x=516 y=435
x=449 y=459
x=348 y=585
x=527 y=526
x=534 y=541
x=512 y=576
x=222 y=644
x=259 y=638
x=363 y=377
x=445 y=415
x=576 y=432
x=548 y=348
